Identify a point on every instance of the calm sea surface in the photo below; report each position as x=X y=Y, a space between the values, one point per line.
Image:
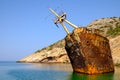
x=29 y=71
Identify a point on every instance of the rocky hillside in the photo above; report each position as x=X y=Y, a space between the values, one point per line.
x=109 y=27
x=54 y=53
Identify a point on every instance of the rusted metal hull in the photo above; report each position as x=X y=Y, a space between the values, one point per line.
x=89 y=52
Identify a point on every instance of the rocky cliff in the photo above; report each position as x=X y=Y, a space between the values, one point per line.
x=109 y=27
x=54 y=53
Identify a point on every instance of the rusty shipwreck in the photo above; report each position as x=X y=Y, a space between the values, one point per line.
x=88 y=51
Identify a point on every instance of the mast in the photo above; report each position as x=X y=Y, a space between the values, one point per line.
x=61 y=19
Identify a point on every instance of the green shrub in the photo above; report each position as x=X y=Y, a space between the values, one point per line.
x=113 y=32
x=38 y=51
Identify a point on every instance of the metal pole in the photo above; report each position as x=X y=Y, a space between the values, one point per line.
x=61 y=20
x=54 y=12
x=74 y=26
x=65 y=28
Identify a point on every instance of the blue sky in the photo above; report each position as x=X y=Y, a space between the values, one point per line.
x=27 y=25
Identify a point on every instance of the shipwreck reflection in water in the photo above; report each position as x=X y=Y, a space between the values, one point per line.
x=78 y=76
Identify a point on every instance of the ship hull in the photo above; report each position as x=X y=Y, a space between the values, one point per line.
x=89 y=52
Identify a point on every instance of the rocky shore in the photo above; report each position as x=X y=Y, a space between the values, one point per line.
x=55 y=53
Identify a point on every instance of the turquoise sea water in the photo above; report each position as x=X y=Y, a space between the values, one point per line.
x=30 y=71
